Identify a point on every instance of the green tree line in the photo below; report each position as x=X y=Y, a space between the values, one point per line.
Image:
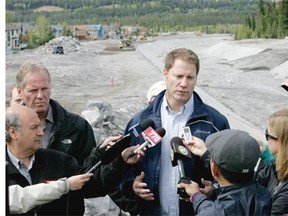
x=271 y=21
x=245 y=18
x=178 y=14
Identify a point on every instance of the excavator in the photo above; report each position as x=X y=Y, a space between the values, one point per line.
x=125 y=38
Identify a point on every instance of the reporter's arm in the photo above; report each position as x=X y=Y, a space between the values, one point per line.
x=23 y=199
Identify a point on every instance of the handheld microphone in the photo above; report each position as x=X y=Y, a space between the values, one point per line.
x=137 y=129
x=179 y=153
x=151 y=137
x=109 y=154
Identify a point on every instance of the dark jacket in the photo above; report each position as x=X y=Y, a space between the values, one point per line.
x=245 y=199
x=71 y=134
x=204 y=121
x=267 y=176
x=52 y=165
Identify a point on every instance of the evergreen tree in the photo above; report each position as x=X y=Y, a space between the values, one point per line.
x=284 y=12
x=43 y=31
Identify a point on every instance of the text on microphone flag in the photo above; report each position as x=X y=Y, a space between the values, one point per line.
x=152 y=136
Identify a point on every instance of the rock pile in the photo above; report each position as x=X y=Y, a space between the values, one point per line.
x=101 y=117
x=69 y=44
x=110 y=119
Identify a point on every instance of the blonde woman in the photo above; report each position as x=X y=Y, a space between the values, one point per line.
x=275 y=175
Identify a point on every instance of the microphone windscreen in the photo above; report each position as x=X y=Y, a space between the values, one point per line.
x=161 y=131
x=116 y=149
x=176 y=140
x=147 y=123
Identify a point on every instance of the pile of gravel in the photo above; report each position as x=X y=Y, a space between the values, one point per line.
x=69 y=44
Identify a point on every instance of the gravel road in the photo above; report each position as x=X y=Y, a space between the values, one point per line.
x=251 y=94
x=240 y=78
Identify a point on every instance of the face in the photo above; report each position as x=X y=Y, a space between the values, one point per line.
x=29 y=136
x=36 y=93
x=272 y=141
x=15 y=97
x=180 y=82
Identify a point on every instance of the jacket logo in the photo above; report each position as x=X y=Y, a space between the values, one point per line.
x=48 y=180
x=66 y=141
x=201 y=131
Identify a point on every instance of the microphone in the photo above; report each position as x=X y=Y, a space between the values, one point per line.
x=179 y=153
x=137 y=129
x=151 y=137
x=109 y=154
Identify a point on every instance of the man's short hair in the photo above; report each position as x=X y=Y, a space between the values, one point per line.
x=28 y=68
x=184 y=54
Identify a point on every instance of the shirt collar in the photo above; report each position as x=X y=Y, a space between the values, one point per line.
x=16 y=162
x=186 y=108
x=49 y=116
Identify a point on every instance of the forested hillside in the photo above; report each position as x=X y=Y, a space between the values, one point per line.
x=161 y=15
x=246 y=18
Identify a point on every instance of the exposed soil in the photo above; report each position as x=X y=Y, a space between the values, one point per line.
x=237 y=74
x=241 y=79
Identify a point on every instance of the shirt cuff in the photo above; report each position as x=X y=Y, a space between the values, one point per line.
x=64 y=185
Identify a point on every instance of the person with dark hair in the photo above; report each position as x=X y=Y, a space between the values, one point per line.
x=153 y=184
x=28 y=164
x=233 y=157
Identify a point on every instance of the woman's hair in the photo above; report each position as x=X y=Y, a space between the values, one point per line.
x=184 y=54
x=278 y=125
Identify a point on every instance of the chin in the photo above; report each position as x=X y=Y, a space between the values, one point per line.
x=40 y=109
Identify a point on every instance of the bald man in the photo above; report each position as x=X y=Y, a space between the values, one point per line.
x=28 y=164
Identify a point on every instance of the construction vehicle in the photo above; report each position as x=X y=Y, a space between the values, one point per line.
x=125 y=38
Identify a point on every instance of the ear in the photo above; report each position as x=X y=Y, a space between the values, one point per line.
x=165 y=73
x=19 y=91
x=214 y=169
x=12 y=132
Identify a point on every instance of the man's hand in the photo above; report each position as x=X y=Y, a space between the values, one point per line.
x=110 y=141
x=208 y=188
x=139 y=188
x=76 y=182
x=196 y=146
x=126 y=154
x=190 y=189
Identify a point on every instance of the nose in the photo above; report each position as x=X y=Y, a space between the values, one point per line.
x=183 y=82
x=40 y=131
x=39 y=94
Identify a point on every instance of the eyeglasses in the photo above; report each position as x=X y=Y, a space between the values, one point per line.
x=268 y=136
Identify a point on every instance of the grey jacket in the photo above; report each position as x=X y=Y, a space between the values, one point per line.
x=244 y=199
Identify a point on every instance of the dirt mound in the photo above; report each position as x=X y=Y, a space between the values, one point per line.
x=49 y=9
x=69 y=44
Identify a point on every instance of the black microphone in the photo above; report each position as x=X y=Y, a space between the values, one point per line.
x=110 y=153
x=151 y=137
x=137 y=129
x=179 y=153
